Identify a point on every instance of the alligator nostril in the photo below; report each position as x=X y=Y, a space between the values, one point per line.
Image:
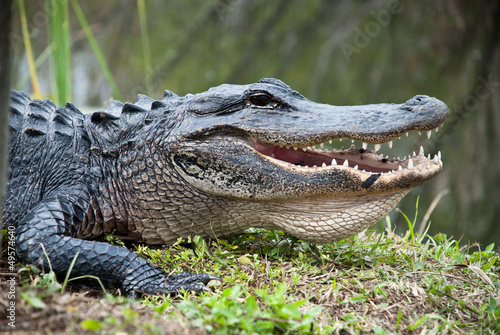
x=422 y=99
x=417 y=100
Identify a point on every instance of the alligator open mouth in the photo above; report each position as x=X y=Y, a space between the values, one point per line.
x=320 y=156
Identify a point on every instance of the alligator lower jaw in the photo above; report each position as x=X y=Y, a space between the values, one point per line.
x=356 y=161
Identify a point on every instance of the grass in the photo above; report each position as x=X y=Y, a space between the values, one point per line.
x=376 y=283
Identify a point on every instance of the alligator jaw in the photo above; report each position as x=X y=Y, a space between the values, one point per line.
x=252 y=169
x=355 y=160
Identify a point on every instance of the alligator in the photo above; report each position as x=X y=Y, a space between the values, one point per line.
x=212 y=164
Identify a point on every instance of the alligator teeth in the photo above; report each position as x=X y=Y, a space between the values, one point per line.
x=419 y=133
x=340 y=139
x=410 y=164
x=420 y=164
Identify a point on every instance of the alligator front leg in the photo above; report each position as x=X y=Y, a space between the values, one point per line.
x=49 y=223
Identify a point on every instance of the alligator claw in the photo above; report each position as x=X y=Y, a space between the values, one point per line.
x=213 y=277
x=207 y=289
x=162 y=283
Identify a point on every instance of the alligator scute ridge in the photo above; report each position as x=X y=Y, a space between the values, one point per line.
x=211 y=164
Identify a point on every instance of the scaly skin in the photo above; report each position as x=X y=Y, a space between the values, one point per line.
x=212 y=164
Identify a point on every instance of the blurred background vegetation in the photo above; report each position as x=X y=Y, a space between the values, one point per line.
x=339 y=52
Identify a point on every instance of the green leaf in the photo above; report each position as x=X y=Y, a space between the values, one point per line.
x=244 y=259
x=90 y=324
x=280 y=292
x=32 y=300
x=379 y=330
x=251 y=306
x=493 y=304
x=359 y=298
x=291 y=311
x=160 y=309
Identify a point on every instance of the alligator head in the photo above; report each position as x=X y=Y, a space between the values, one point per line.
x=263 y=149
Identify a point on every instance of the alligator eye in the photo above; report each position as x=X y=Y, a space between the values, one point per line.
x=260 y=100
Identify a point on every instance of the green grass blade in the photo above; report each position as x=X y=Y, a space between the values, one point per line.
x=141 y=8
x=52 y=43
x=44 y=56
x=66 y=53
x=62 y=53
x=46 y=256
x=58 y=36
x=29 y=50
x=91 y=277
x=96 y=49
x=66 y=279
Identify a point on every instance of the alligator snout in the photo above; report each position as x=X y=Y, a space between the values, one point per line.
x=427 y=109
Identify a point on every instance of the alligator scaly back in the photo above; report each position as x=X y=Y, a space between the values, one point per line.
x=116 y=126
x=40 y=136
